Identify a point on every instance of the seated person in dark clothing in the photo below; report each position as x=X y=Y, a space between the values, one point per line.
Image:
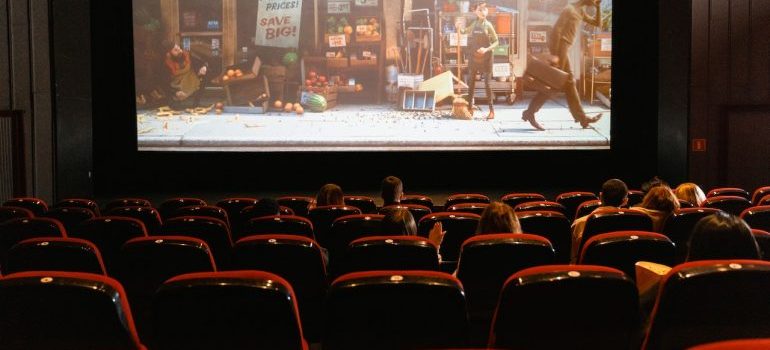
x=392 y=191
x=722 y=236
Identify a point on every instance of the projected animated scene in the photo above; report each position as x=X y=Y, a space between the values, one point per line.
x=372 y=75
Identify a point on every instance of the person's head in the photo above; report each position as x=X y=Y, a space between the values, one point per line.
x=498 y=217
x=266 y=207
x=722 y=236
x=399 y=222
x=481 y=10
x=660 y=198
x=652 y=183
x=172 y=48
x=329 y=194
x=392 y=190
x=614 y=193
x=690 y=192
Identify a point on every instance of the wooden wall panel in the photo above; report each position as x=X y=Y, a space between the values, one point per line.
x=5 y=58
x=746 y=152
x=740 y=51
x=759 y=59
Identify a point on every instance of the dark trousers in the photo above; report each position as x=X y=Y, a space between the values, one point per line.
x=485 y=69
x=570 y=90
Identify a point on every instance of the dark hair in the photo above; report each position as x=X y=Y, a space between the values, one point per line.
x=167 y=45
x=265 y=207
x=660 y=198
x=399 y=221
x=329 y=194
x=614 y=192
x=479 y=3
x=652 y=183
x=498 y=217
x=722 y=236
x=392 y=187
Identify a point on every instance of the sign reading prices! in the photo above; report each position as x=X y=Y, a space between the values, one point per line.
x=278 y=23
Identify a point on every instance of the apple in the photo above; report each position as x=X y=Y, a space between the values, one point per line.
x=322 y=78
x=219 y=105
x=312 y=74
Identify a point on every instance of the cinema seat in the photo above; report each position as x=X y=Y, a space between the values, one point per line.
x=285 y=210
x=514 y=199
x=571 y=201
x=10 y=213
x=567 y=307
x=70 y=217
x=169 y=206
x=233 y=207
x=623 y=249
x=109 y=233
x=740 y=344
x=763 y=241
x=148 y=216
x=297 y=203
x=54 y=254
x=764 y=200
x=17 y=230
x=202 y=210
x=347 y=229
x=300 y=261
x=213 y=231
x=587 y=208
x=634 y=197
x=278 y=224
x=127 y=202
x=612 y=220
x=366 y=204
x=757 y=217
x=731 y=204
x=486 y=261
x=146 y=262
x=553 y=226
x=759 y=193
x=417 y=211
x=713 y=300
x=460 y=198
x=37 y=206
x=392 y=253
x=78 y=203
x=541 y=206
x=418 y=199
x=395 y=310
x=475 y=208
x=678 y=227
x=685 y=204
x=728 y=191
x=227 y=310
x=458 y=227
x=323 y=217
x=65 y=310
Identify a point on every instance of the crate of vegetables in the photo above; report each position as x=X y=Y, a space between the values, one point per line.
x=368 y=30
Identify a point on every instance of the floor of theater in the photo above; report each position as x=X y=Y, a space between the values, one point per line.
x=374 y=128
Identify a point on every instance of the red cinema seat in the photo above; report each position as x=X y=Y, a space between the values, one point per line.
x=10 y=213
x=553 y=226
x=278 y=224
x=731 y=204
x=366 y=204
x=572 y=200
x=459 y=198
x=148 y=216
x=213 y=231
x=678 y=227
x=514 y=199
x=623 y=249
x=391 y=253
x=170 y=205
x=78 y=203
x=36 y=205
x=54 y=254
x=109 y=233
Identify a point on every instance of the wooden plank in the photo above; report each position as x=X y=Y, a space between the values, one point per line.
x=169 y=13
x=740 y=51
x=229 y=31
x=759 y=79
x=699 y=78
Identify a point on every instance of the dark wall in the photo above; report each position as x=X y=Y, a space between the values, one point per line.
x=119 y=168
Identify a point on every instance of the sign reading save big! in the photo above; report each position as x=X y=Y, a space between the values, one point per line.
x=278 y=23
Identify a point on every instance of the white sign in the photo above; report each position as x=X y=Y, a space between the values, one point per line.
x=537 y=36
x=453 y=39
x=338 y=7
x=337 y=40
x=366 y=2
x=278 y=23
x=501 y=70
x=606 y=45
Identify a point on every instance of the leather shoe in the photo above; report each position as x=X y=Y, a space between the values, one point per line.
x=530 y=117
x=590 y=120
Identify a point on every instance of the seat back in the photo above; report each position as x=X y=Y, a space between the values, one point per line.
x=587 y=208
x=567 y=307
x=612 y=220
x=418 y=199
x=634 y=197
x=763 y=241
x=213 y=231
x=572 y=200
x=417 y=211
x=35 y=205
x=204 y=211
x=541 y=206
x=706 y=301
x=514 y=199
x=623 y=249
x=759 y=193
x=732 y=204
x=741 y=344
x=757 y=217
x=70 y=217
x=475 y=208
x=458 y=227
x=460 y=198
x=10 y=213
x=227 y=310
x=17 y=230
x=395 y=310
x=297 y=203
x=127 y=202
x=553 y=226
x=54 y=254
x=148 y=216
x=391 y=253
x=366 y=204
x=78 y=203
x=169 y=206
x=728 y=191
x=278 y=224
x=297 y=259
x=109 y=233
x=233 y=207
x=678 y=227
x=349 y=228
x=65 y=310
x=323 y=217
x=764 y=200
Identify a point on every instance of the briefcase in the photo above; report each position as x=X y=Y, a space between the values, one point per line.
x=544 y=77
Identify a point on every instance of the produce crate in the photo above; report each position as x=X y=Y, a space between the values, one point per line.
x=337 y=62
x=368 y=38
x=328 y=92
x=358 y=63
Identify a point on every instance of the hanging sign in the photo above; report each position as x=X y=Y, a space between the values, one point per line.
x=278 y=23
x=337 y=40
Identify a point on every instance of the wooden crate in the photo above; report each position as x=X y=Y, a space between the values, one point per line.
x=329 y=93
x=337 y=62
x=359 y=63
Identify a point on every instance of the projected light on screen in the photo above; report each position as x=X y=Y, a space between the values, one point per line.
x=368 y=75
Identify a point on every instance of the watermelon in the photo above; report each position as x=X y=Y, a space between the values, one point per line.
x=290 y=58
x=316 y=103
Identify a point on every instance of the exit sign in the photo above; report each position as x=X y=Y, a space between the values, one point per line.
x=699 y=145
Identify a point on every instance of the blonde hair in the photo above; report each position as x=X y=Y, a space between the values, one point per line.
x=498 y=217
x=690 y=192
x=660 y=198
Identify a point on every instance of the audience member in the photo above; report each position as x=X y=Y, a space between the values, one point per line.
x=659 y=203
x=392 y=191
x=400 y=222
x=498 y=217
x=614 y=195
x=329 y=194
x=652 y=183
x=690 y=192
x=722 y=236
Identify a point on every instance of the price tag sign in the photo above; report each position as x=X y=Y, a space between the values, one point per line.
x=366 y=2
x=453 y=39
x=337 y=40
x=606 y=45
x=537 y=36
x=331 y=55
x=501 y=70
x=338 y=7
x=361 y=28
x=366 y=54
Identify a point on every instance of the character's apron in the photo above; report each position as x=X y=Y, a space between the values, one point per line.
x=479 y=38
